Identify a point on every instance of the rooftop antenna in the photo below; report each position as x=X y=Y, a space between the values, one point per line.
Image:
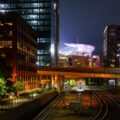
x=77 y=40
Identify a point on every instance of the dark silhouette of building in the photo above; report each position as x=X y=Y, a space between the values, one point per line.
x=18 y=46
x=112 y=46
x=43 y=16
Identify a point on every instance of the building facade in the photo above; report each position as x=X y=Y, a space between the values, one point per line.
x=112 y=46
x=96 y=61
x=80 y=61
x=79 y=56
x=43 y=16
x=64 y=61
x=18 y=46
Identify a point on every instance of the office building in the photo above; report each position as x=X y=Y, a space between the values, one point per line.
x=18 y=46
x=96 y=61
x=43 y=16
x=112 y=46
x=80 y=61
x=78 y=55
x=63 y=61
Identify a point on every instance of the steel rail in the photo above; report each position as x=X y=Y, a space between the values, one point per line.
x=101 y=115
x=45 y=112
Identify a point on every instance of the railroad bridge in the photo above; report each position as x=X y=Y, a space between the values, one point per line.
x=57 y=74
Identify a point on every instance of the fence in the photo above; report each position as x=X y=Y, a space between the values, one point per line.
x=10 y=103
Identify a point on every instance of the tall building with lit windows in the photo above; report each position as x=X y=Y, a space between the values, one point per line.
x=43 y=16
x=18 y=46
x=112 y=46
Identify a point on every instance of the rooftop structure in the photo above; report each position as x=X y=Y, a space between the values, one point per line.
x=78 y=49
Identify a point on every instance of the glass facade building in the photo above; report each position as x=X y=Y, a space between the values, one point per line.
x=43 y=16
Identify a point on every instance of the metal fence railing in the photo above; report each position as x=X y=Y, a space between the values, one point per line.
x=8 y=103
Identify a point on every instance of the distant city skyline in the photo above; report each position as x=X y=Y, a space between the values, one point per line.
x=86 y=20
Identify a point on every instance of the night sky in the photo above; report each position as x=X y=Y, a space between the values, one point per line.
x=86 y=20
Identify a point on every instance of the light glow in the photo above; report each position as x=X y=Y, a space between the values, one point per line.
x=55 y=6
x=79 y=49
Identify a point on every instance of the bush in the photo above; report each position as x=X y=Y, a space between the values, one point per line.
x=3 y=87
x=19 y=85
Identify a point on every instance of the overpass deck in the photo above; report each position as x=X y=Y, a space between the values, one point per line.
x=81 y=72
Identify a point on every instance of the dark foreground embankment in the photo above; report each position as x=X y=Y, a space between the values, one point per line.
x=28 y=110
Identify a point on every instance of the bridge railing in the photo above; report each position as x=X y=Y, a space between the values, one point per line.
x=85 y=70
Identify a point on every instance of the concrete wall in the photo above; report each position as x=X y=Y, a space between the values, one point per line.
x=27 y=110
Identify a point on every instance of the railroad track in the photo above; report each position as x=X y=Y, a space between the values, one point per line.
x=103 y=111
x=45 y=112
x=113 y=98
x=109 y=106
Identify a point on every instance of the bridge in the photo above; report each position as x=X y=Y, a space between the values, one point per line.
x=81 y=72
x=57 y=74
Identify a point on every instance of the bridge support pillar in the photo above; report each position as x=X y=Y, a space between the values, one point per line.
x=60 y=83
x=105 y=81
x=117 y=84
x=52 y=81
x=39 y=78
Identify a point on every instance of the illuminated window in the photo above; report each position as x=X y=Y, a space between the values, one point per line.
x=118 y=44
x=10 y=23
x=113 y=60
x=36 y=10
x=37 y=63
x=11 y=33
x=33 y=17
x=112 y=65
x=33 y=22
x=112 y=34
x=35 y=4
x=41 y=10
x=5 y=44
x=2 y=11
x=38 y=58
x=2 y=5
x=1 y=24
x=44 y=40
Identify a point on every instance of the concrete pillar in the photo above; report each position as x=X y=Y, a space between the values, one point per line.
x=60 y=83
x=40 y=79
x=52 y=81
x=105 y=81
x=56 y=76
x=117 y=84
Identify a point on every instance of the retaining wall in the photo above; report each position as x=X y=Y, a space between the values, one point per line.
x=24 y=111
